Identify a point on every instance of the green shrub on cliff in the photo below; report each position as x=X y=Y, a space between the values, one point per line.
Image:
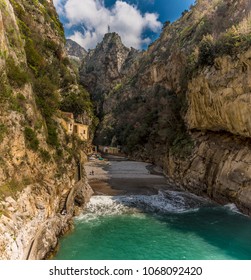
x=46 y=97
x=45 y=155
x=17 y=76
x=76 y=102
x=183 y=144
x=47 y=100
x=5 y=89
x=34 y=58
x=229 y=43
x=52 y=138
x=232 y=43
x=31 y=138
x=206 y=51
x=17 y=103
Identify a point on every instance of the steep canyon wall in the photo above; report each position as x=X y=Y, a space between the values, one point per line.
x=185 y=102
x=39 y=189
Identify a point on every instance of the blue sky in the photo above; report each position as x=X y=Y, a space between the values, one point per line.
x=138 y=22
x=167 y=9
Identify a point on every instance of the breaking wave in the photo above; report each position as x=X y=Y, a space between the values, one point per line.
x=232 y=207
x=161 y=203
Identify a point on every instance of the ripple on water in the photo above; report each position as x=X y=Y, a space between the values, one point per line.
x=169 y=225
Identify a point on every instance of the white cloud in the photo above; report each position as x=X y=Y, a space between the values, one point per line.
x=56 y=2
x=123 y=18
x=59 y=6
x=152 y=21
x=86 y=40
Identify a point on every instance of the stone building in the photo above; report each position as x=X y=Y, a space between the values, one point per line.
x=109 y=150
x=67 y=121
x=71 y=127
x=81 y=130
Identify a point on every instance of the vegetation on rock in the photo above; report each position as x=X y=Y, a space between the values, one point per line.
x=49 y=70
x=31 y=138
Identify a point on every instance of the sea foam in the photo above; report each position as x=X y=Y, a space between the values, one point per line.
x=232 y=207
x=163 y=202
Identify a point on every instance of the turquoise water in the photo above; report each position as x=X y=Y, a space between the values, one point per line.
x=167 y=226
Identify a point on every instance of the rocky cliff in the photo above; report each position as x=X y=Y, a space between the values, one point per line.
x=185 y=104
x=40 y=165
x=219 y=96
x=104 y=67
x=74 y=50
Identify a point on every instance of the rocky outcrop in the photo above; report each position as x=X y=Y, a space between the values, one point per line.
x=219 y=98
x=220 y=167
x=31 y=224
x=74 y=50
x=104 y=67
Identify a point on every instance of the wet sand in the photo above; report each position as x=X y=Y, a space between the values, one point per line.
x=118 y=176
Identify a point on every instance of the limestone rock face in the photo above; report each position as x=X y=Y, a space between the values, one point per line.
x=38 y=183
x=219 y=97
x=74 y=50
x=31 y=224
x=103 y=68
x=220 y=168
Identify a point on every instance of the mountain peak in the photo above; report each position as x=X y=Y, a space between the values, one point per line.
x=102 y=68
x=112 y=40
x=112 y=36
